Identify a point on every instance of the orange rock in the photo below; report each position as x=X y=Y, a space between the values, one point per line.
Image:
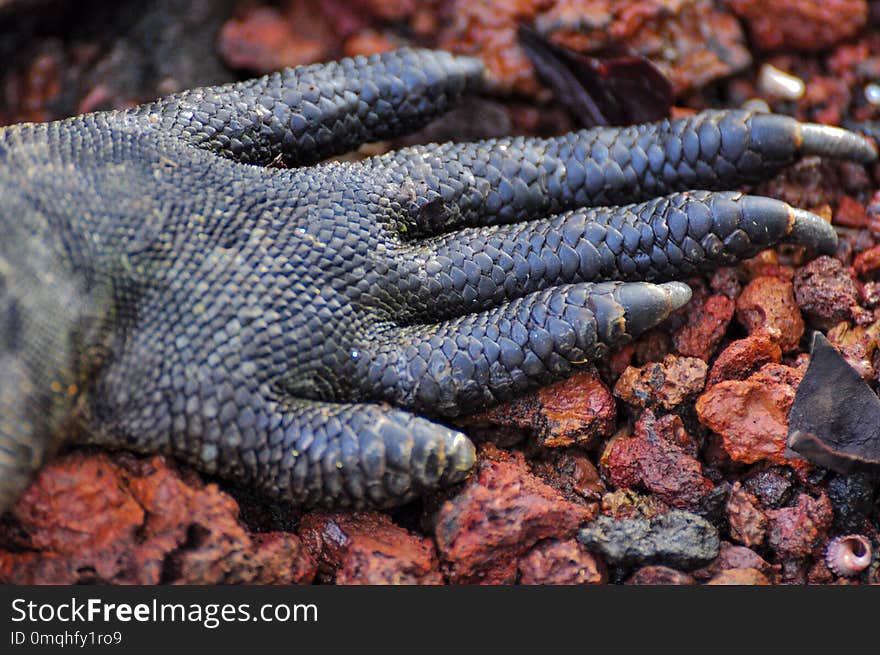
x=579 y=410
x=123 y=520
x=752 y=415
x=665 y=384
x=767 y=304
x=743 y=357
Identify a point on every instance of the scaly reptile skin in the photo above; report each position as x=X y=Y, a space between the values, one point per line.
x=161 y=289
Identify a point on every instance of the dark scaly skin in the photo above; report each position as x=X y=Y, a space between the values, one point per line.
x=162 y=290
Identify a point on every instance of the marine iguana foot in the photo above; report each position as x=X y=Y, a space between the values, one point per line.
x=163 y=289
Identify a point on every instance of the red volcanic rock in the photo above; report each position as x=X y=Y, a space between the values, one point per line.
x=662 y=384
x=666 y=427
x=707 y=323
x=500 y=514
x=661 y=465
x=656 y=574
x=122 y=520
x=858 y=345
x=746 y=519
x=368 y=42
x=368 y=548
x=32 y=92
x=752 y=415
x=850 y=213
x=264 y=39
x=795 y=531
x=561 y=563
x=726 y=282
x=740 y=577
x=810 y=25
x=873 y=211
x=765 y=264
x=767 y=304
x=744 y=357
x=573 y=474
x=735 y=557
x=578 y=410
x=772 y=486
x=867 y=263
x=670 y=34
x=627 y=504
x=828 y=293
x=386 y=10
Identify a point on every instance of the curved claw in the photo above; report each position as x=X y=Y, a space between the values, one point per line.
x=645 y=305
x=782 y=137
x=828 y=141
x=762 y=217
x=808 y=229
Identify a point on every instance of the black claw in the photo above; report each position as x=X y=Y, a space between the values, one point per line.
x=438 y=455
x=774 y=136
x=645 y=305
x=812 y=231
x=768 y=221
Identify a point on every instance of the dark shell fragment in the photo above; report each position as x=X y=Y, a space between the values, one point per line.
x=835 y=419
x=608 y=90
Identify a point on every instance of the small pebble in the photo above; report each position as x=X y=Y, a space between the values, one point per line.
x=678 y=539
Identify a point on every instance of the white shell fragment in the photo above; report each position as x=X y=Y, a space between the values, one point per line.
x=779 y=84
x=872 y=93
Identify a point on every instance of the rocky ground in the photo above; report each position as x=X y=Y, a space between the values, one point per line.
x=666 y=464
